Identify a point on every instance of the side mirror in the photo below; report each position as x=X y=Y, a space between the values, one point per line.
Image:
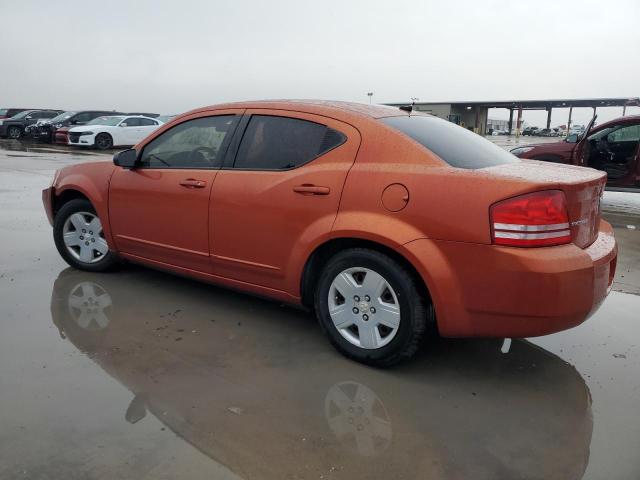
x=28 y=117
x=573 y=138
x=123 y=124
x=126 y=158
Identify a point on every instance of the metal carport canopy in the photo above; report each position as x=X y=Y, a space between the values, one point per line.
x=543 y=104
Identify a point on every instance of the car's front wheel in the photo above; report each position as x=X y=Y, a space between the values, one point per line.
x=78 y=235
x=371 y=307
x=14 y=132
x=104 y=141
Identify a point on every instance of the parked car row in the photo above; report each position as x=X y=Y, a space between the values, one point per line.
x=101 y=129
x=543 y=132
x=15 y=125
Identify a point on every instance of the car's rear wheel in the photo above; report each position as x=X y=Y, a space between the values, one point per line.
x=371 y=307
x=104 y=141
x=79 y=238
x=14 y=132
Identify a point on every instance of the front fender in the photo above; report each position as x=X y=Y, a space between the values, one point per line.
x=92 y=181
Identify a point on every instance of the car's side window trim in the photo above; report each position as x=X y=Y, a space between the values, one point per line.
x=224 y=146
x=234 y=144
x=230 y=162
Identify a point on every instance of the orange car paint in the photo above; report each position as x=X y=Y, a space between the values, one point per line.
x=251 y=230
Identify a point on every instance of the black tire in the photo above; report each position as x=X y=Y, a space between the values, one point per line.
x=104 y=141
x=415 y=310
x=106 y=262
x=14 y=132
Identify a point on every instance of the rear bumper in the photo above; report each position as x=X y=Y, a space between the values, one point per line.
x=491 y=291
x=47 y=200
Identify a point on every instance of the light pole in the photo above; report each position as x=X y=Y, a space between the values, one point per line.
x=369 y=94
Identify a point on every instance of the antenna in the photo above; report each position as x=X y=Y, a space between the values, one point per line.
x=409 y=108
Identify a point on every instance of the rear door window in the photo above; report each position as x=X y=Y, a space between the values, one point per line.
x=457 y=146
x=132 y=122
x=281 y=143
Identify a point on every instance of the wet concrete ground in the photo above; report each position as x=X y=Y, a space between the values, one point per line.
x=139 y=374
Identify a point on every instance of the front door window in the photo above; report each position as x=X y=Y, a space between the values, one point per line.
x=614 y=150
x=198 y=143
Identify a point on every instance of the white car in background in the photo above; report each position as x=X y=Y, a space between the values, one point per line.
x=113 y=131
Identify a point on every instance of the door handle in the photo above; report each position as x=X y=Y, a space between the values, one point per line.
x=193 y=183
x=308 y=189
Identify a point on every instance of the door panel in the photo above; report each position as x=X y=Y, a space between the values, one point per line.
x=261 y=221
x=160 y=210
x=154 y=216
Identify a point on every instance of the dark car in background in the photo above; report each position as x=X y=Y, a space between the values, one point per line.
x=613 y=147
x=15 y=126
x=10 y=112
x=56 y=129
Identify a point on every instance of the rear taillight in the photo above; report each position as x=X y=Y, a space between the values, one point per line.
x=537 y=219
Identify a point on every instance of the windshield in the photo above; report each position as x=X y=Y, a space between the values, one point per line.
x=62 y=117
x=602 y=133
x=20 y=115
x=108 y=121
x=455 y=145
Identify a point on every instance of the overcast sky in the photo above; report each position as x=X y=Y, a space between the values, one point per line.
x=171 y=56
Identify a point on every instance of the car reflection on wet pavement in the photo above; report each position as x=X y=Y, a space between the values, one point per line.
x=140 y=374
x=252 y=385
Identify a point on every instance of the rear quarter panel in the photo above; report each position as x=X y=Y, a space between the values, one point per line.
x=444 y=203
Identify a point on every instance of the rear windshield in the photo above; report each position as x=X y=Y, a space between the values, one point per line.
x=455 y=145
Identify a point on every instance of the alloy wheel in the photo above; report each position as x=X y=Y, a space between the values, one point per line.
x=103 y=142
x=83 y=237
x=364 y=308
x=14 y=132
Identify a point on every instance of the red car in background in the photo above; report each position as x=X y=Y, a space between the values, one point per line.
x=61 y=135
x=612 y=147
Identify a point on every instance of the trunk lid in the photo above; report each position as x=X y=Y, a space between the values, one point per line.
x=583 y=188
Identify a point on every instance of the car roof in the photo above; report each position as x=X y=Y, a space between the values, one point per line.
x=328 y=108
x=104 y=112
x=618 y=121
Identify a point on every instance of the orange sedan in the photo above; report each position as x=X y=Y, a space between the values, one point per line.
x=381 y=220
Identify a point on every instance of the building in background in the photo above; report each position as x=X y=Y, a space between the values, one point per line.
x=474 y=115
